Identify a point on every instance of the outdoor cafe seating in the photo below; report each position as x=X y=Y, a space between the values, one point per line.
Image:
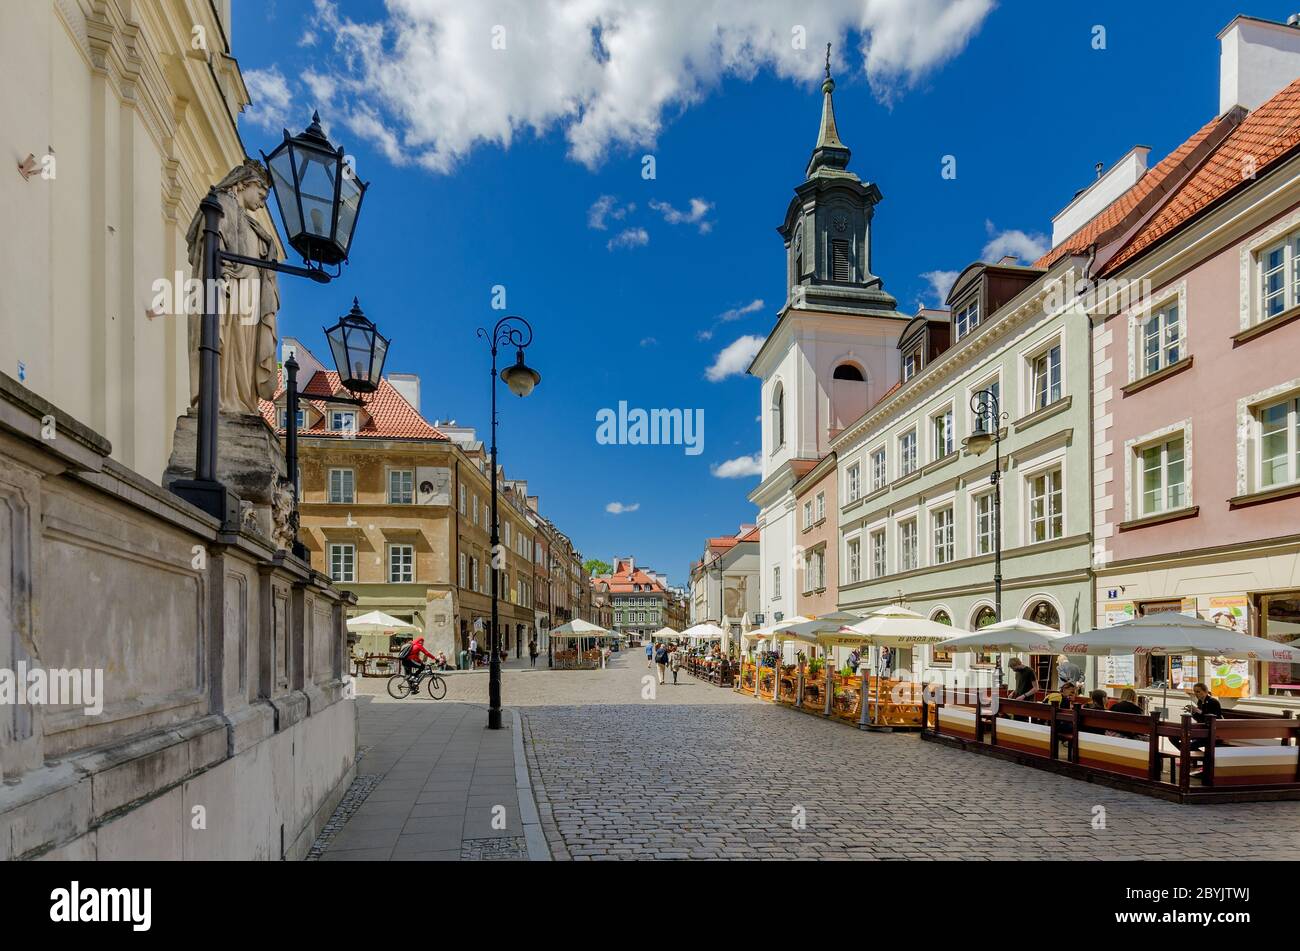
x=1240 y=757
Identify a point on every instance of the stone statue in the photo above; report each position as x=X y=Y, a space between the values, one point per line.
x=284 y=520
x=249 y=298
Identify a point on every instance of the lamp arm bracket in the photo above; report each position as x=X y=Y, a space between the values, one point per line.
x=319 y=275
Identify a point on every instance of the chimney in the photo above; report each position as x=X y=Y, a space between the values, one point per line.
x=1088 y=203
x=408 y=385
x=1257 y=58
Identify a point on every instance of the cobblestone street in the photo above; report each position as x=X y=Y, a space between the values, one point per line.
x=701 y=772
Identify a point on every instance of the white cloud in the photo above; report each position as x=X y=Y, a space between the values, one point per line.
x=308 y=37
x=445 y=76
x=940 y=284
x=619 y=508
x=739 y=468
x=737 y=312
x=607 y=206
x=629 y=238
x=1025 y=247
x=649 y=342
x=704 y=335
x=735 y=358
x=270 y=99
x=699 y=208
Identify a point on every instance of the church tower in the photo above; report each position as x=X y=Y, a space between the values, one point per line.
x=827 y=229
x=832 y=354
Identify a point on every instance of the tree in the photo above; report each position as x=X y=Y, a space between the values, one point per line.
x=595 y=567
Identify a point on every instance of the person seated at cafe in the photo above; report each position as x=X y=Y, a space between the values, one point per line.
x=1203 y=708
x=1127 y=702
x=1096 y=700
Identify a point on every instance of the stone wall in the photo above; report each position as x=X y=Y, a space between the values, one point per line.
x=226 y=729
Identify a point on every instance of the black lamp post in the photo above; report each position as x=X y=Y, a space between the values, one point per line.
x=514 y=332
x=319 y=199
x=988 y=432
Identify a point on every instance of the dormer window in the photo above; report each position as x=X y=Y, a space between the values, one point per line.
x=343 y=421
x=967 y=317
x=911 y=363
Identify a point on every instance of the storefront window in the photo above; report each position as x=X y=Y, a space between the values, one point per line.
x=1044 y=612
x=983 y=618
x=937 y=657
x=1280 y=621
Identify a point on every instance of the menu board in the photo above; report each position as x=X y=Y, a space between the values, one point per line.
x=1117 y=670
x=1229 y=678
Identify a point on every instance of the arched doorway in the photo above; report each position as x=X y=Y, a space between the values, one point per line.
x=984 y=616
x=1044 y=612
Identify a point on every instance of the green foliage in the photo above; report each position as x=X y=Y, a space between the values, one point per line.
x=595 y=566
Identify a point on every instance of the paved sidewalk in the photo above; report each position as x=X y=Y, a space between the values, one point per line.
x=435 y=784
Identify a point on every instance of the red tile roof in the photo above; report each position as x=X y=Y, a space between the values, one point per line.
x=1263 y=137
x=388 y=414
x=751 y=535
x=621 y=582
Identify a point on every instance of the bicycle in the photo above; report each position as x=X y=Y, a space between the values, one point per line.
x=400 y=687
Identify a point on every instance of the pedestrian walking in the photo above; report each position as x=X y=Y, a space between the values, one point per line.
x=649 y=654
x=675 y=660
x=532 y=651
x=661 y=660
x=473 y=652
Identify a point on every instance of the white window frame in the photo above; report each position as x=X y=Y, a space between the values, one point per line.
x=853 y=559
x=351 y=485
x=461 y=489
x=976 y=535
x=411 y=492
x=879 y=467
x=807 y=514
x=1253 y=256
x=914 y=520
x=1291 y=404
x=962 y=321
x=1133 y=471
x=821 y=506
x=947 y=412
x=879 y=566
x=1028 y=360
x=943 y=548
x=349 y=550
x=993 y=379
x=904 y=455
x=776 y=582
x=1028 y=478
x=404 y=553
x=852 y=483
x=1158 y=317
x=462 y=570
x=337 y=416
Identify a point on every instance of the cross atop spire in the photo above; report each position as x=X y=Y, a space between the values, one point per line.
x=829 y=152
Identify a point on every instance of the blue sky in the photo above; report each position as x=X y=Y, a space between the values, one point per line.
x=1018 y=95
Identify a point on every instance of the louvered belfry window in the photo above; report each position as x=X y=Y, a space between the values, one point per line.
x=841 y=266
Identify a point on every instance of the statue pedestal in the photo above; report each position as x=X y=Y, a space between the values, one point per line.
x=250 y=463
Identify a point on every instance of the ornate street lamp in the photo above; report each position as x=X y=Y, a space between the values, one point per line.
x=514 y=332
x=988 y=432
x=319 y=199
x=318 y=193
x=359 y=351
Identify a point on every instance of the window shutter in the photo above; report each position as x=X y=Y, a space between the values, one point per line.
x=841 y=268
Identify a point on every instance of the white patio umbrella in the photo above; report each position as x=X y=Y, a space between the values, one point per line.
x=1171 y=633
x=704 y=632
x=767 y=631
x=578 y=630
x=664 y=634
x=1013 y=636
x=377 y=622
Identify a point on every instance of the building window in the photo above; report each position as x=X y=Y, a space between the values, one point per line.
x=821 y=506
x=878 y=554
x=778 y=417
x=807 y=515
x=1164 y=486
x=1046 y=506
x=341 y=485
x=994 y=387
x=907 y=547
x=941 y=433
x=473 y=575
x=343 y=421
x=941 y=537
x=967 y=318
x=1045 y=378
x=984 y=525
x=907 y=453
x=401 y=486
x=401 y=564
x=854 y=551
x=853 y=483
x=474 y=506
x=776 y=581
x=1161 y=339
x=505 y=528
x=1279 y=443
x=461 y=574
x=911 y=363
x=343 y=563
x=879 y=474
x=841 y=261
x=462 y=499
x=1279 y=276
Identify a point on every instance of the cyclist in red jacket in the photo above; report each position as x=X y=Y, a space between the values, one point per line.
x=411 y=664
